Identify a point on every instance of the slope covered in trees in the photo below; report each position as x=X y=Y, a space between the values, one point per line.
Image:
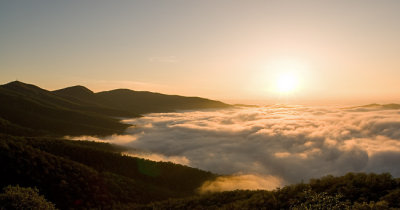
x=16 y=197
x=80 y=174
x=351 y=191
x=31 y=107
x=139 y=102
x=29 y=110
x=88 y=174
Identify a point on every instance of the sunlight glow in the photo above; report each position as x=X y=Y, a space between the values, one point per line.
x=286 y=83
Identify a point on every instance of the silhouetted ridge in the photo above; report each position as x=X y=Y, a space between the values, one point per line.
x=29 y=106
x=147 y=102
x=376 y=106
x=77 y=110
x=23 y=87
x=78 y=94
x=77 y=90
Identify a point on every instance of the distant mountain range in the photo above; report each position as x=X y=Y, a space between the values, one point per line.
x=370 y=107
x=26 y=109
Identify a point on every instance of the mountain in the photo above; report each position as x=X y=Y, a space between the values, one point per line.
x=375 y=106
x=140 y=102
x=86 y=98
x=78 y=111
x=34 y=108
x=382 y=106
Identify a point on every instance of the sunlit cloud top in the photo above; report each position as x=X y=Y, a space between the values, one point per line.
x=276 y=144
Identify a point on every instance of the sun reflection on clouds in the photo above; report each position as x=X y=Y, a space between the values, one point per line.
x=245 y=182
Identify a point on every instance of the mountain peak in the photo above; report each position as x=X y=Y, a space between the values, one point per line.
x=24 y=87
x=17 y=83
x=77 y=90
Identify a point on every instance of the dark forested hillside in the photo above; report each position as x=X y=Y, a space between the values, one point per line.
x=80 y=174
x=136 y=101
x=146 y=102
x=351 y=191
x=26 y=109
x=34 y=108
x=89 y=174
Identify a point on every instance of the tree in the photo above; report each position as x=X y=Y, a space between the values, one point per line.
x=16 y=197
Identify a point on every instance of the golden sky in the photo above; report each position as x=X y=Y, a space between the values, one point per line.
x=342 y=51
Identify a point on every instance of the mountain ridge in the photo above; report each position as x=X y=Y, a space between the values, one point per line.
x=77 y=110
x=375 y=106
x=140 y=102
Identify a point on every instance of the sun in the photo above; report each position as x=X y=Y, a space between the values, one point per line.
x=283 y=77
x=287 y=82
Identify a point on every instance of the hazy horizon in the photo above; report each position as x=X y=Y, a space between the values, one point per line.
x=257 y=102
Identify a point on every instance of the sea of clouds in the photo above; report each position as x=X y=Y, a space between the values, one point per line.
x=267 y=147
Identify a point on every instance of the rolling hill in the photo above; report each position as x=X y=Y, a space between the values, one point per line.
x=139 y=102
x=76 y=110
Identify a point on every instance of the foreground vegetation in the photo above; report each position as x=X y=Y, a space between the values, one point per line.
x=16 y=197
x=80 y=174
x=351 y=191
x=88 y=174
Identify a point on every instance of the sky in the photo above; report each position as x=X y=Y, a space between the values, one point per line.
x=342 y=51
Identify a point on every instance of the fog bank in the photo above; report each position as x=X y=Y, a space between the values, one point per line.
x=287 y=144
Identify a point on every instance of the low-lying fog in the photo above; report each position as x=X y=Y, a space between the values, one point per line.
x=270 y=146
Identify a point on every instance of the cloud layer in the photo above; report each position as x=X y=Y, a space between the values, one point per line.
x=289 y=144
